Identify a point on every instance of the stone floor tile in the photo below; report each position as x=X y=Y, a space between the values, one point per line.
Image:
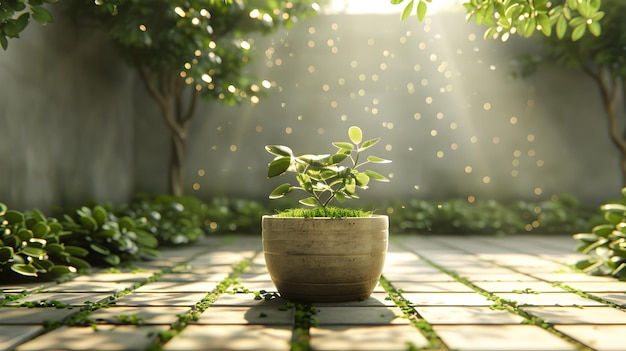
x=89 y=286
x=254 y=277
x=178 y=287
x=500 y=337
x=114 y=277
x=194 y=277
x=231 y=338
x=359 y=315
x=515 y=286
x=369 y=338
x=147 y=315
x=598 y=337
x=377 y=299
x=549 y=299
x=497 y=277
x=13 y=335
x=105 y=338
x=591 y=287
x=616 y=297
x=418 y=277
x=412 y=286
x=446 y=299
x=37 y=315
x=16 y=288
x=160 y=299
x=203 y=270
x=574 y=315
x=264 y=315
x=247 y=299
x=73 y=299
x=571 y=277
x=411 y=268
x=467 y=315
x=258 y=285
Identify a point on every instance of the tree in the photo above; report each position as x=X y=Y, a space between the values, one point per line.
x=15 y=16
x=187 y=50
x=525 y=17
x=603 y=59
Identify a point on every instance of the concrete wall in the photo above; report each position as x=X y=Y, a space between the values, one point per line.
x=453 y=120
x=75 y=124
x=66 y=120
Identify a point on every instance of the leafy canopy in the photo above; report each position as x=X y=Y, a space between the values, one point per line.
x=525 y=17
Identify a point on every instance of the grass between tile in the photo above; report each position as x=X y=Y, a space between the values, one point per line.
x=434 y=341
x=511 y=306
x=194 y=313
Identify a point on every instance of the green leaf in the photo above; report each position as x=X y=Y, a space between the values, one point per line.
x=33 y=251
x=407 y=11
x=41 y=15
x=309 y=201
x=376 y=176
x=76 y=251
x=343 y=145
x=99 y=249
x=100 y=215
x=595 y=29
x=281 y=191
x=561 y=27
x=421 y=10
x=278 y=166
x=60 y=270
x=355 y=134
x=578 y=32
x=147 y=240
x=24 y=269
x=88 y=222
x=336 y=158
x=14 y=217
x=6 y=254
x=79 y=263
x=279 y=150
x=13 y=28
x=40 y=229
x=362 y=179
x=369 y=143
x=376 y=159
x=3 y=209
x=24 y=234
x=603 y=230
x=127 y=223
x=54 y=248
x=113 y=260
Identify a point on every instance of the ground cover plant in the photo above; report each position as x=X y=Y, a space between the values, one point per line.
x=36 y=246
x=605 y=245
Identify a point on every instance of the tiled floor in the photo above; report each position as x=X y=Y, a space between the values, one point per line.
x=443 y=293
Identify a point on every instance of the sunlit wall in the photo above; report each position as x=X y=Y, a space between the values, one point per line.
x=451 y=117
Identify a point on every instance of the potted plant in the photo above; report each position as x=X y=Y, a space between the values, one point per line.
x=324 y=253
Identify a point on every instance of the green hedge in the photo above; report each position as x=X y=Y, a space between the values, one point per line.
x=71 y=240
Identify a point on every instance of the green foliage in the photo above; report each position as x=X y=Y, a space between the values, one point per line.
x=171 y=220
x=525 y=17
x=16 y=14
x=605 y=245
x=109 y=239
x=322 y=176
x=32 y=245
x=225 y=214
x=559 y=215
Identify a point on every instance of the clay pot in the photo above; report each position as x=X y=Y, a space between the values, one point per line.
x=325 y=259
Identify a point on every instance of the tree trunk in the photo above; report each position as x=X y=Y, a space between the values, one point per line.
x=177 y=164
x=609 y=87
x=168 y=90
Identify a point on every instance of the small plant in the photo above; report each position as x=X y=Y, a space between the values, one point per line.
x=605 y=246
x=323 y=177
